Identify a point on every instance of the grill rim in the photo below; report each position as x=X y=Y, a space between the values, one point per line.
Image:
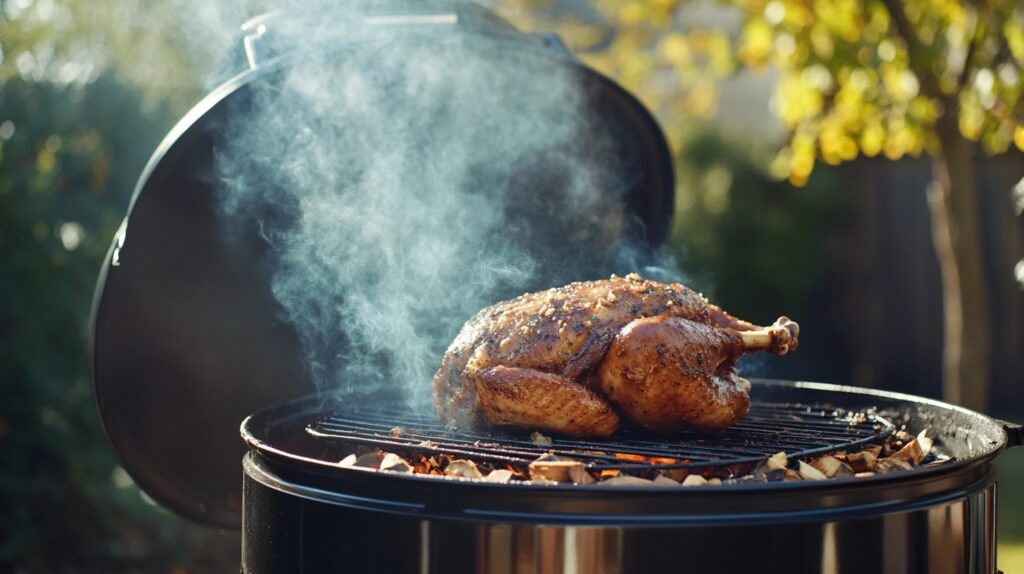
x=879 y=398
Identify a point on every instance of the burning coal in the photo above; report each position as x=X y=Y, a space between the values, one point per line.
x=405 y=178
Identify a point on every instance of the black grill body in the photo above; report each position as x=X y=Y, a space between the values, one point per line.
x=304 y=513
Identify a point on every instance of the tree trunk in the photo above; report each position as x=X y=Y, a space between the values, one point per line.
x=953 y=201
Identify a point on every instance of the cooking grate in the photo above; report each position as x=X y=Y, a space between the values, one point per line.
x=799 y=430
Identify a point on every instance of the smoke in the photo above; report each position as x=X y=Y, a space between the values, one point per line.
x=403 y=183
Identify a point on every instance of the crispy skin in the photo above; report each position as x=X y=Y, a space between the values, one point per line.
x=564 y=331
x=530 y=399
x=669 y=374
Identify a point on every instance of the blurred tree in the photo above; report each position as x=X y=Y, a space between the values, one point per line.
x=891 y=77
x=74 y=135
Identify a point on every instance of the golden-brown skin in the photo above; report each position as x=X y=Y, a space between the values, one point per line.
x=671 y=374
x=572 y=360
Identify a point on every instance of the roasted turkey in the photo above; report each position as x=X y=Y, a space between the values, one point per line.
x=578 y=359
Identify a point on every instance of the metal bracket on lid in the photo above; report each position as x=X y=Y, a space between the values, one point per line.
x=449 y=19
x=258 y=37
x=252 y=31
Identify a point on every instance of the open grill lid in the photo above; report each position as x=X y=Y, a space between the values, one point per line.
x=187 y=339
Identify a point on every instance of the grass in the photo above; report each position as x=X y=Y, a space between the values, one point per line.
x=1010 y=500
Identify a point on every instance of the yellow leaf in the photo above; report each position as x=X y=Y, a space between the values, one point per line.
x=756 y=43
x=847 y=148
x=801 y=166
x=631 y=13
x=822 y=42
x=871 y=140
x=798 y=180
x=675 y=48
x=779 y=167
x=1018 y=137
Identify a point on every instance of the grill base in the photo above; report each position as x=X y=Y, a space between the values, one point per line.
x=287 y=528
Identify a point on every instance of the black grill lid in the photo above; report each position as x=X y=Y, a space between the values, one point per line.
x=187 y=339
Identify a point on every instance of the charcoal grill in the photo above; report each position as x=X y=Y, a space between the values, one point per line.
x=303 y=507
x=187 y=341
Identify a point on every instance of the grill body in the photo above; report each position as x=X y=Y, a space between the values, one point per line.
x=287 y=528
x=302 y=513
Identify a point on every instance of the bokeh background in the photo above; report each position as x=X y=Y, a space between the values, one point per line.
x=810 y=140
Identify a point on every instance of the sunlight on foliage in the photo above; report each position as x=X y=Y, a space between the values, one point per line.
x=856 y=77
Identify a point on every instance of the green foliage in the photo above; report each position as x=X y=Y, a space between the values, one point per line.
x=760 y=239
x=74 y=136
x=153 y=45
x=69 y=157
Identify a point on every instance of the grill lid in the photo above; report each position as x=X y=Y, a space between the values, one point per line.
x=186 y=336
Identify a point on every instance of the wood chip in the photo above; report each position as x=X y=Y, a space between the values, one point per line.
x=369 y=460
x=808 y=472
x=862 y=461
x=349 y=460
x=463 y=469
x=559 y=469
x=715 y=481
x=777 y=461
x=828 y=465
x=875 y=449
x=864 y=474
x=501 y=476
x=626 y=480
x=397 y=432
x=395 y=463
x=891 y=464
x=540 y=440
x=790 y=474
x=695 y=480
x=662 y=480
x=926 y=443
x=844 y=471
x=911 y=453
x=676 y=474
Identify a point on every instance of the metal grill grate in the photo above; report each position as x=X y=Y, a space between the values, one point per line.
x=799 y=430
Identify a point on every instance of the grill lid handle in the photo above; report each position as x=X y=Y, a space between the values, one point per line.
x=262 y=41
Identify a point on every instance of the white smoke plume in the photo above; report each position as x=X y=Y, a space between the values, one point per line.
x=404 y=182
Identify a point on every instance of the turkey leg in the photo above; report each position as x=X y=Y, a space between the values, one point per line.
x=719 y=318
x=779 y=339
